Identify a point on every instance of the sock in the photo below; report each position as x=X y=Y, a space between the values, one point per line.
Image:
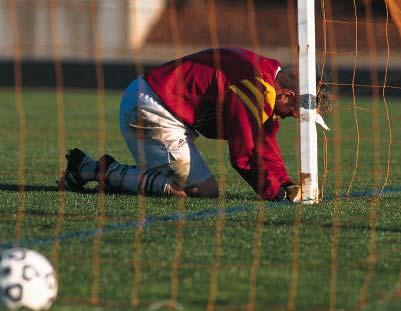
x=88 y=169
x=152 y=182
x=122 y=177
x=127 y=178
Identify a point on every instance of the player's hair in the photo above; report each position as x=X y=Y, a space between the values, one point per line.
x=324 y=98
x=287 y=77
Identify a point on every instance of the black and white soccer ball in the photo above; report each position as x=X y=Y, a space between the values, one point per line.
x=27 y=279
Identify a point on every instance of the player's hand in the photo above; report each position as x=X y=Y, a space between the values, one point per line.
x=293 y=193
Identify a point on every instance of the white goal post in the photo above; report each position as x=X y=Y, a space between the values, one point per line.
x=307 y=89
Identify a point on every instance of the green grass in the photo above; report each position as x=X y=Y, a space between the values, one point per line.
x=334 y=255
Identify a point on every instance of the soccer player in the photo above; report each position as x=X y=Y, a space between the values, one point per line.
x=231 y=94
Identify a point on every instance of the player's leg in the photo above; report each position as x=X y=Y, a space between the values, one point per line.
x=120 y=177
x=178 y=178
x=81 y=168
x=162 y=145
x=189 y=169
x=149 y=154
x=169 y=163
x=115 y=176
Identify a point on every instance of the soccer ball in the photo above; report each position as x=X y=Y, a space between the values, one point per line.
x=27 y=279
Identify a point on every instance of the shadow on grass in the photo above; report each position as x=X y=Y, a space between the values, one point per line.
x=41 y=188
x=229 y=195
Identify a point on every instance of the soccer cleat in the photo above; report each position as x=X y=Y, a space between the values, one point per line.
x=112 y=175
x=105 y=164
x=72 y=178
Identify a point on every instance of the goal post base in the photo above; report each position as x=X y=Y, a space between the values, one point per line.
x=309 y=190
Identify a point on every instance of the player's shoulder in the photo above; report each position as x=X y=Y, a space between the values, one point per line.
x=251 y=55
x=266 y=66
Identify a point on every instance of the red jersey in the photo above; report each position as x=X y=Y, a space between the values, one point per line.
x=229 y=94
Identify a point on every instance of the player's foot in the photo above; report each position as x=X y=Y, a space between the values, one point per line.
x=76 y=160
x=111 y=174
x=107 y=165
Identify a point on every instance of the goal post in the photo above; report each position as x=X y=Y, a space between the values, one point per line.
x=307 y=91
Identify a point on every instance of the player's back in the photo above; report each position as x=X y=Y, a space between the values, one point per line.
x=195 y=87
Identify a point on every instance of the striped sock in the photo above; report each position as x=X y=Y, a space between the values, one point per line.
x=152 y=182
x=117 y=177
x=120 y=177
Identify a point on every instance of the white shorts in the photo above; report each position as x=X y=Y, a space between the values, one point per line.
x=157 y=139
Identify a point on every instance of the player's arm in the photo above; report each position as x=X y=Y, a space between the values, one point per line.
x=274 y=164
x=255 y=154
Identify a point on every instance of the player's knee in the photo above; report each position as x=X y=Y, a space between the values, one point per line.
x=207 y=189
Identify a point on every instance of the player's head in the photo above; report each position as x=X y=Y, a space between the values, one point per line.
x=286 y=86
x=287 y=95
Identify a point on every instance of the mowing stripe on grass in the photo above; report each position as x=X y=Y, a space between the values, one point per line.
x=153 y=220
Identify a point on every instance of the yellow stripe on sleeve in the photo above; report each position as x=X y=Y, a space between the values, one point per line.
x=247 y=102
x=270 y=93
x=259 y=98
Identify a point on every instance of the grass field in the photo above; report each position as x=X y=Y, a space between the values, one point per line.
x=227 y=254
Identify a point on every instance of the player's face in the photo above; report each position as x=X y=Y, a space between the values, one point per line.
x=286 y=104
